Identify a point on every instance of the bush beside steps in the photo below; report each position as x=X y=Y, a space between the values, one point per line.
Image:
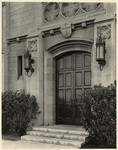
x=98 y=115
x=18 y=108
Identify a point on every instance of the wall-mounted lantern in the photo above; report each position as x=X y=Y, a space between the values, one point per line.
x=100 y=52
x=28 y=63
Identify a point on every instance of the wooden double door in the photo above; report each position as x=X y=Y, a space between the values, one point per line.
x=73 y=77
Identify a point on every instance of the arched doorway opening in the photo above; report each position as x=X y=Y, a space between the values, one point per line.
x=73 y=77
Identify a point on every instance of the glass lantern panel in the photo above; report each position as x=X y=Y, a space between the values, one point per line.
x=98 y=52
x=101 y=52
x=26 y=63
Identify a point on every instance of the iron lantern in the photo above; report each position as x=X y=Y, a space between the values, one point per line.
x=28 y=63
x=100 y=52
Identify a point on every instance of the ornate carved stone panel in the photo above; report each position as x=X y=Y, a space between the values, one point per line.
x=51 y=12
x=54 y=11
x=104 y=31
x=90 y=7
x=69 y=9
x=32 y=45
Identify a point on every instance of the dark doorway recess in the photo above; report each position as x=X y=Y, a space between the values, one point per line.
x=73 y=76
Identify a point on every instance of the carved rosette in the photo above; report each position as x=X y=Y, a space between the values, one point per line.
x=104 y=31
x=32 y=45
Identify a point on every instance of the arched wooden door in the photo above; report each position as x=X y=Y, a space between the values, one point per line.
x=73 y=77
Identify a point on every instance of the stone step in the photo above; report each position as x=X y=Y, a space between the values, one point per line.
x=65 y=131
x=57 y=135
x=57 y=141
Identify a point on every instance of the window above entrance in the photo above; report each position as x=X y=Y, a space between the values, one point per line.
x=54 y=11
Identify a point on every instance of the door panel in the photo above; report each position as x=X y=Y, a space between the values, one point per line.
x=68 y=95
x=78 y=93
x=61 y=93
x=78 y=60
x=87 y=60
x=68 y=79
x=68 y=62
x=73 y=77
x=87 y=78
x=61 y=79
x=78 y=78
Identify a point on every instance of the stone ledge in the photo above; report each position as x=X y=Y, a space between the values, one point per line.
x=106 y=17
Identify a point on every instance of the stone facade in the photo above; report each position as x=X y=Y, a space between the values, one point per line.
x=42 y=29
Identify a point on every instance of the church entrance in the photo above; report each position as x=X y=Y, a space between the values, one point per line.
x=73 y=76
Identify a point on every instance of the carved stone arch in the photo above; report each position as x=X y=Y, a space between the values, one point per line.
x=71 y=45
x=50 y=66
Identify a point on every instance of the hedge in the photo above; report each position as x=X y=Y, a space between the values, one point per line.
x=98 y=114
x=18 y=108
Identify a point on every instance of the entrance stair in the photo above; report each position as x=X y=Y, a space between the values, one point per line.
x=65 y=135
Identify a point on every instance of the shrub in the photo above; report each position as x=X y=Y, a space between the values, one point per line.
x=18 y=108
x=99 y=114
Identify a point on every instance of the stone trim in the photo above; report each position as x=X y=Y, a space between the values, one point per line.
x=16 y=39
x=70 y=43
x=107 y=17
x=74 y=27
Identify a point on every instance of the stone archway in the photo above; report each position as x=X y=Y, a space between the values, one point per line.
x=50 y=57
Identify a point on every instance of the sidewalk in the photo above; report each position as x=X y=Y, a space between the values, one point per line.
x=31 y=145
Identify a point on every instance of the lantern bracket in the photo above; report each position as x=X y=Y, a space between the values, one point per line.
x=101 y=64
x=28 y=63
x=100 y=52
x=31 y=71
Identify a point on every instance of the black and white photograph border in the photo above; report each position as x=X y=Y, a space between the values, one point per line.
x=58 y=74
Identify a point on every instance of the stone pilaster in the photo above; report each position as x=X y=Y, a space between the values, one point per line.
x=108 y=74
x=49 y=89
x=35 y=83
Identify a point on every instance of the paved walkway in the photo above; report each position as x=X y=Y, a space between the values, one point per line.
x=31 y=145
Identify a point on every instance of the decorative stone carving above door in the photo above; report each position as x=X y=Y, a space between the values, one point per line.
x=32 y=45
x=69 y=9
x=66 y=29
x=104 y=31
x=90 y=7
x=51 y=12
x=54 y=11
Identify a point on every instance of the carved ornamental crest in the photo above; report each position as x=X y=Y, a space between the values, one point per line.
x=104 y=31
x=32 y=45
x=66 y=29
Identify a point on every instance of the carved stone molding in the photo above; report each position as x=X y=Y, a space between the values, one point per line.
x=85 y=43
x=104 y=31
x=12 y=40
x=66 y=28
x=32 y=45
